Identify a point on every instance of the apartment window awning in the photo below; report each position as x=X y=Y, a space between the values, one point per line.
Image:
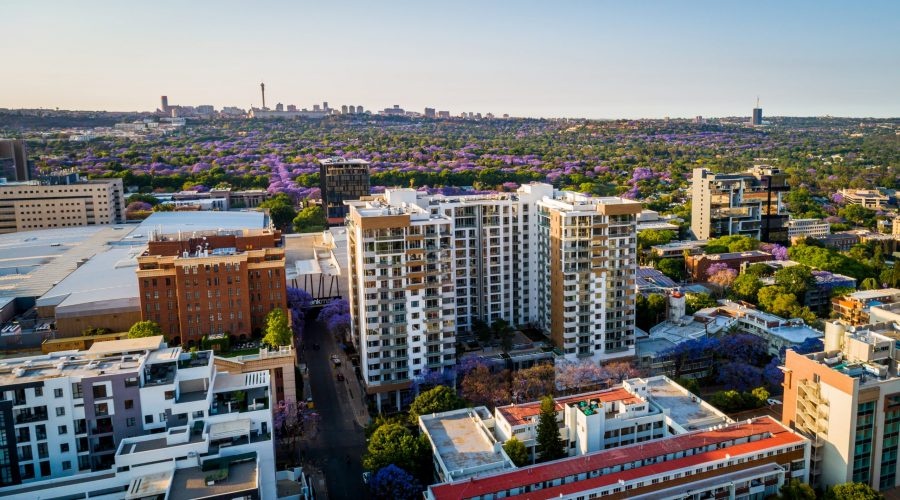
x=234 y=428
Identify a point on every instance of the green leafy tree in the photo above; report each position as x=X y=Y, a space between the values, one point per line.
x=649 y=310
x=732 y=243
x=439 y=399
x=797 y=490
x=795 y=279
x=761 y=395
x=278 y=330
x=143 y=197
x=673 y=268
x=281 y=210
x=852 y=491
x=869 y=284
x=144 y=329
x=550 y=445
x=693 y=302
x=759 y=270
x=394 y=444
x=310 y=220
x=653 y=237
x=858 y=215
x=746 y=287
x=516 y=451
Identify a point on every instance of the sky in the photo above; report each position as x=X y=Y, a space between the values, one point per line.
x=593 y=59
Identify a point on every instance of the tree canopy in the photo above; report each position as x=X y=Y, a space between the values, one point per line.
x=310 y=220
x=550 y=445
x=394 y=444
x=439 y=399
x=145 y=328
x=393 y=483
x=281 y=210
x=278 y=331
x=852 y=491
x=516 y=451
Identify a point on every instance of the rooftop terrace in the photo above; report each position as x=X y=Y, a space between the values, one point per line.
x=687 y=410
x=464 y=445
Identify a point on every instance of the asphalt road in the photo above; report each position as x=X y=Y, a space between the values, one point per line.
x=339 y=434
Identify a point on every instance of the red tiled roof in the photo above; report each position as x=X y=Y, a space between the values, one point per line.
x=777 y=436
x=519 y=414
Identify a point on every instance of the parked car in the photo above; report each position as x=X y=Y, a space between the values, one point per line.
x=340 y=377
x=366 y=476
x=773 y=402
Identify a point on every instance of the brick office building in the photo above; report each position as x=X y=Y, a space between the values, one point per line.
x=215 y=282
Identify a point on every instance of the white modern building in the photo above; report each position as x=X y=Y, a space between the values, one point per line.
x=128 y=404
x=808 y=228
x=423 y=267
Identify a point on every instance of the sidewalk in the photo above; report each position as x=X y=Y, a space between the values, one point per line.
x=355 y=391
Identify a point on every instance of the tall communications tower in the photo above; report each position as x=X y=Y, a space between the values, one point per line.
x=262 y=88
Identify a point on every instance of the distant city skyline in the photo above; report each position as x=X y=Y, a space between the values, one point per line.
x=579 y=59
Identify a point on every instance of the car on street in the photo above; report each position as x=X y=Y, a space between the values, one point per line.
x=340 y=377
x=336 y=360
x=366 y=476
x=773 y=402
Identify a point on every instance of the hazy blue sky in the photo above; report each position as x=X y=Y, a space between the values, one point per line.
x=598 y=59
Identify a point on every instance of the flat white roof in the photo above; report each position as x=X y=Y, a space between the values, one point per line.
x=125 y=345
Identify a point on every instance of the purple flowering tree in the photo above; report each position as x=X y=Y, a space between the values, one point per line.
x=394 y=483
x=336 y=317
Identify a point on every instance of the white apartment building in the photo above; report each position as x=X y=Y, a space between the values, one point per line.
x=808 y=228
x=127 y=403
x=422 y=267
x=638 y=410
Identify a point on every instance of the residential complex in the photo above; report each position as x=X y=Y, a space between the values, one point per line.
x=744 y=460
x=212 y=282
x=423 y=267
x=14 y=160
x=846 y=400
x=129 y=404
x=34 y=205
x=342 y=180
x=748 y=204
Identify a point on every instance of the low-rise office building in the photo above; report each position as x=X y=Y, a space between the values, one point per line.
x=779 y=333
x=698 y=265
x=807 y=228
x=866 y=198
x=30 y=205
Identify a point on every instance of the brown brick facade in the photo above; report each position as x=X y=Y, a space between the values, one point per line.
x=206 y=293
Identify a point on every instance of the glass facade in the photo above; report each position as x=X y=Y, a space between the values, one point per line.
x=862 y=452
x=889 y=442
